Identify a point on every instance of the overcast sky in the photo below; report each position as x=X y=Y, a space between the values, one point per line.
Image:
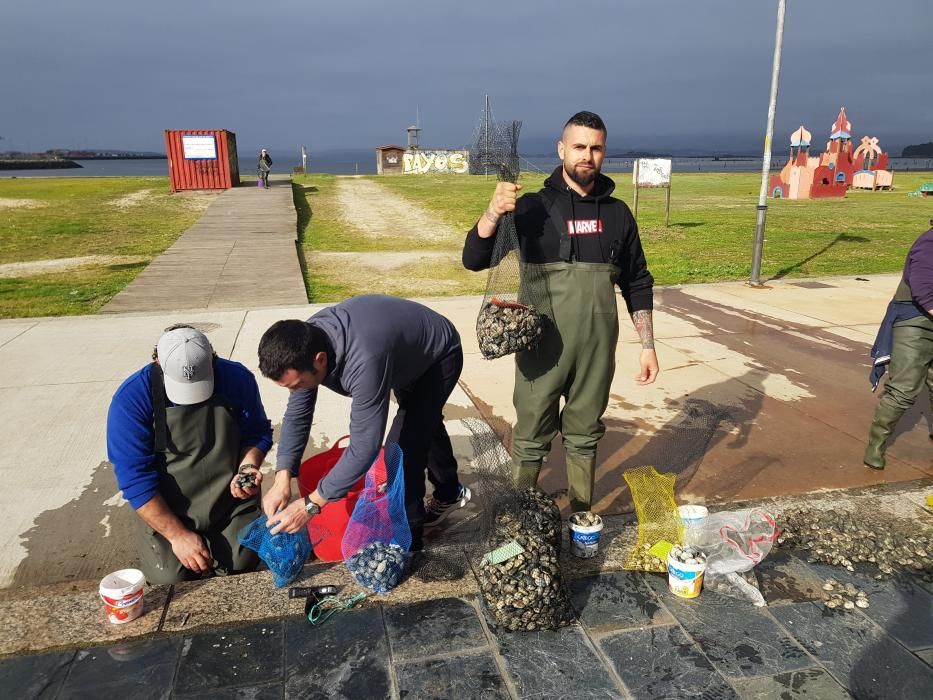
x=114 y=74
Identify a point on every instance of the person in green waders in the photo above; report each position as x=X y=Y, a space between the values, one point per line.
x=180 y=433
x=905 y=342
x=579 y=242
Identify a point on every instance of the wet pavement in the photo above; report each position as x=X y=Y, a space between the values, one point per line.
x=762 y=393
x=633 y=639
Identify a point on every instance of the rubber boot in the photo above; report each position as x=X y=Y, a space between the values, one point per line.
x=581 y=475
x=525 y=474
x=882 y=426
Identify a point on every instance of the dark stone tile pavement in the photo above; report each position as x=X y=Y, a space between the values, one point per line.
x=634 y=639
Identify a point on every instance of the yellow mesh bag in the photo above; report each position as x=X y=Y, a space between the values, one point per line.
x=658 y=519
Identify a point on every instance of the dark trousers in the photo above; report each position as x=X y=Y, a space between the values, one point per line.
x=264 y=176
x=419 y=430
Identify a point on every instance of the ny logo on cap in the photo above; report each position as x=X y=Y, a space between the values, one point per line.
x=188 y=371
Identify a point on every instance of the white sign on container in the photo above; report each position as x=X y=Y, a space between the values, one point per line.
x=199 y=146
x=652 y=172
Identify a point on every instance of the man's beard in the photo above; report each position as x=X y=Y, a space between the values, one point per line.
x=585 y=178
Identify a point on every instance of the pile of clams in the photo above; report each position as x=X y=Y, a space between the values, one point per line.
x=504 y=328
x=526 y=591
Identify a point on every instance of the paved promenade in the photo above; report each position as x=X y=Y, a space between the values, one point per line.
x=762 y=393
x=240 y=253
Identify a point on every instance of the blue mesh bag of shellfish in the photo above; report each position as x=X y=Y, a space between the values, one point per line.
x=376 y=542
x=285 y=554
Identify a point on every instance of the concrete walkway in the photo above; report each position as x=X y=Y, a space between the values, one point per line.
x=242 y=252
x=762 y=393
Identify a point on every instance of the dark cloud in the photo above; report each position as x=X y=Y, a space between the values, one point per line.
x=103 y=73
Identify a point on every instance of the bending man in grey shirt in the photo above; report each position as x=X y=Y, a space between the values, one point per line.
x=364 y=348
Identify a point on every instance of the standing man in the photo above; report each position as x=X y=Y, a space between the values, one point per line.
x=580 y=242
x=364 y=348
x=186 y=436
x=264 y=167
x=905 y=340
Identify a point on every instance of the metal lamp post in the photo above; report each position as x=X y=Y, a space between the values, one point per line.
x=755 y=280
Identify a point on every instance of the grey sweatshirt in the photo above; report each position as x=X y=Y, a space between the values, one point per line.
x=380 y=343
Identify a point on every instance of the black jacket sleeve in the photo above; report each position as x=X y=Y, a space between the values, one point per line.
x=635 y=280
x=477 y=252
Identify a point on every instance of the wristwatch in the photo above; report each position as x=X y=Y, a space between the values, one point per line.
x=311 y=507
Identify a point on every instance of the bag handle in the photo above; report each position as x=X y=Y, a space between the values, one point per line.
x=337 y=446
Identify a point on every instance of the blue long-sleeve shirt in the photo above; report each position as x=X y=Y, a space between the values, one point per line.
x=130 y=432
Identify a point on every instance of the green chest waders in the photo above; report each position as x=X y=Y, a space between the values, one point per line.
x=575 y=360
x=198 y=458
x=910 y=370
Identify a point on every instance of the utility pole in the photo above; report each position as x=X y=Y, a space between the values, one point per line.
x=486 y=135
x=755 y=280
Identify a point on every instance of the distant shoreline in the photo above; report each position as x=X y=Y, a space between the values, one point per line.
x=38 y=164
x=120 y=157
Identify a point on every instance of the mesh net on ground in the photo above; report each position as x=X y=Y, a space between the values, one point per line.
x=285 y=554
x=377 y=539
x=513 y=314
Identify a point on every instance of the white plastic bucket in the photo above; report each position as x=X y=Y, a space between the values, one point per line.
x=684 y=580
x=584 y=539
x=693 y=517
x=122 y=595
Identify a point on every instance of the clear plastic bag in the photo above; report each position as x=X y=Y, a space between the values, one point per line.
x=735 y=542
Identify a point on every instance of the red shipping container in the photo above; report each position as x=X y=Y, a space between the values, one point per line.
x=202 y=159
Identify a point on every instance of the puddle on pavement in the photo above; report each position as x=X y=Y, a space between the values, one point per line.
x=86 y=538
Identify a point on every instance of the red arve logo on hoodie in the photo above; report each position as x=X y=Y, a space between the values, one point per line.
x=582 y=227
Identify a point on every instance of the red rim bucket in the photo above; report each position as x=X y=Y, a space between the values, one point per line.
x=326 y=529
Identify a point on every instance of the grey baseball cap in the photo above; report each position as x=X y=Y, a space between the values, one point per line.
x=187 y=361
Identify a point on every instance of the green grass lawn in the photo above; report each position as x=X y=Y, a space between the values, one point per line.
x=125 y=220
x=128 y=221
x=709 y=239
x=712 y=224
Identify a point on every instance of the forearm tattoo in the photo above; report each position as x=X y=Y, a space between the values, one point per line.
x=645 y=328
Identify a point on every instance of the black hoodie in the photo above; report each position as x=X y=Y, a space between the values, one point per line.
x=596 y=228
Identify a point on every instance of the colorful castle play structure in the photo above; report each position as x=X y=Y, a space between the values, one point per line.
x=836 y=170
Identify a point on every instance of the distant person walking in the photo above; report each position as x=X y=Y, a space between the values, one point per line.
x=264 y=167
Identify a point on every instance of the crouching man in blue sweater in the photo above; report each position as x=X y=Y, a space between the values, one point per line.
x=186 y=436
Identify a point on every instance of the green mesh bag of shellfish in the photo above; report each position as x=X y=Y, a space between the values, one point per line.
x=512 y=316
x=658 y=519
